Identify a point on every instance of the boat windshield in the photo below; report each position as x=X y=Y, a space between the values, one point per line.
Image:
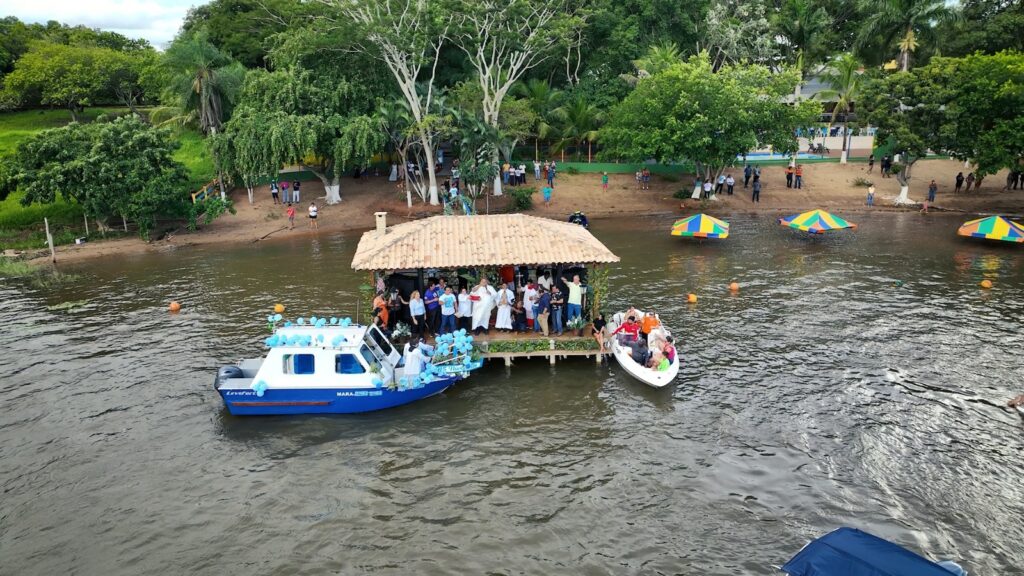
x=375 y=334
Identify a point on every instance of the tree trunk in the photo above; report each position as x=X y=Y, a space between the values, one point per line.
x=333 y=191
x=536 y=149
x=251 y=195
x=497 y=179
x=843 y=155
x=124 y=223
x=74 y=112
x=902 y=176
x=86 y=218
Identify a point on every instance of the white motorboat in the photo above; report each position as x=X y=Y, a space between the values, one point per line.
x=651 y=377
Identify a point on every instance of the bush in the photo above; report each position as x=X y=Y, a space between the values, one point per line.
x=572 y=170
x=862 y=182
x=682 y=194
x=521 y=199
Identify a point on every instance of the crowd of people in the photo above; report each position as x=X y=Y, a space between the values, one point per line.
x=545 y=306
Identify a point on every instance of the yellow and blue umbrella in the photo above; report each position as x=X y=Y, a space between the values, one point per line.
x=993 y=228
x=701 y=226
x=816 y=222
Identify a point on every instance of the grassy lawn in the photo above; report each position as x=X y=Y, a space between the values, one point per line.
x=21 y=227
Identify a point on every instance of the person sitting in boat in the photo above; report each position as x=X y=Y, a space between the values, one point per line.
x=669 y=349
x=630 y=330
x=649 y=322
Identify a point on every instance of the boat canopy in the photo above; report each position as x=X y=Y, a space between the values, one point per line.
x=851 y=552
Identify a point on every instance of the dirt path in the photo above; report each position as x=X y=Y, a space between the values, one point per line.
x=828 y=186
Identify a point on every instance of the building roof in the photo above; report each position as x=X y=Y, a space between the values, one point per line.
x=468 y=241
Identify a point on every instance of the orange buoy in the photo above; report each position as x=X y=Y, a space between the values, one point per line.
x=986 y=284
x=174 y=307
x=734 y=286
x=691 y=298
x=278 y=308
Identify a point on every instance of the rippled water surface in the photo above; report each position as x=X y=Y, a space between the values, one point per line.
x=821 y=395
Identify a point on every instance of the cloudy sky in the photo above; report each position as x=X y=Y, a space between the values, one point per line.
x=154 y=20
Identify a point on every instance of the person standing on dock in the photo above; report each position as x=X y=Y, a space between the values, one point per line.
x=506 y=297
x=545 y=280
x=465 y=313
x=543 y=311
x=575 y=300
x=417 y=313
x=448 y=302
x=483 y=302
x=557 y=301
x=430 y=299
x=530 y=303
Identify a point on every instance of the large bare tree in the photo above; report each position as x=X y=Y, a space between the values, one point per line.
x=407 y=36
x=503 y=39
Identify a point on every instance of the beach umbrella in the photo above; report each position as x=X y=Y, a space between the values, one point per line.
x=816 y=222
x=993 y=228
x=701 y=226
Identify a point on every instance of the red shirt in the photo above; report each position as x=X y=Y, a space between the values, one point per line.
x=291 y=211
x=631 y=328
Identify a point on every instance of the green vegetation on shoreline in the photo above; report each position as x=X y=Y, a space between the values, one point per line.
x=21 y=227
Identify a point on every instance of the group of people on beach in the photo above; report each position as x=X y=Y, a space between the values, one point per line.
x=540 y=306
x=512 y=175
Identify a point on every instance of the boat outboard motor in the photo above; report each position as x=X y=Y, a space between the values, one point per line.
x=226 y=373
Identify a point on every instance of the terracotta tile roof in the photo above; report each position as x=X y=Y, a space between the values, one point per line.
x=466 y=241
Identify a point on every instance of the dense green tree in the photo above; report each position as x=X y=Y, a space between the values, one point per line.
x=72 y=77
x=843 y=78
x=981 y=97
x=988 y=26
x=292 y=116
x=903 y=24
x=905 y=116
x=738 y=31
x=691 y=113
x=242 y=28
x=803 y=26
x=119 y=168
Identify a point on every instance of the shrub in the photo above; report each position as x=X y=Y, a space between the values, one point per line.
x=572 y=170
x=682 y=194
x=521 y=199
x=862 y=182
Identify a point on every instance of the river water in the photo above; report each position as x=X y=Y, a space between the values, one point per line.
x=820 y=395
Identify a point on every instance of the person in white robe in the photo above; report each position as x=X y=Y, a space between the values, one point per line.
x=529 y=300
x=506 y=298
x=415 y=358
x=483 y=297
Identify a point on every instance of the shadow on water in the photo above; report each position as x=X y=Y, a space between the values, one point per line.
x=855 y=379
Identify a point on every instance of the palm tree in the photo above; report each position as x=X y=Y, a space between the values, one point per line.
x=202 y=80
x=578 y=122
x=803 y=24
x=543 y=99
x=659 y=57
x=843 y=79
x=903 y=23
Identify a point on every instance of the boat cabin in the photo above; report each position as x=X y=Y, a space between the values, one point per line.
x=355 y=360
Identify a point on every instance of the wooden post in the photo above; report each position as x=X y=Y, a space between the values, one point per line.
x=49 y=240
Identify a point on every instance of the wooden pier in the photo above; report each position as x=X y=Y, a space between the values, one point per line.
x=513 y=346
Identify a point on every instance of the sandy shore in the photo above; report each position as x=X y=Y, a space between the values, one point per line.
x=828 y=186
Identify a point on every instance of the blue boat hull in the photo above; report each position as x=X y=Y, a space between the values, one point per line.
x=325 y=400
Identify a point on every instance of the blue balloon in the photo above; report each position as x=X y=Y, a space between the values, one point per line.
x=287 y=324
x=301 y=321
x=334 y=321
x=270 y=318
x=277 y=317
x=319 y=337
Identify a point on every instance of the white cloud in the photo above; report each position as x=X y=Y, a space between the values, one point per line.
x=155 y=20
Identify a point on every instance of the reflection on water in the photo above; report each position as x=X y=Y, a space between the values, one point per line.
x=855 y=379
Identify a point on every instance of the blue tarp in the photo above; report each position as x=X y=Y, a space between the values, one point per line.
x=850 y=552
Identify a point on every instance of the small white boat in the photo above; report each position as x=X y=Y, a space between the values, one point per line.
x=653 y=378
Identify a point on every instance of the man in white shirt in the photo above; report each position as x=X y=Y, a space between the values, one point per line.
x=465 y=311
x=545 y=280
